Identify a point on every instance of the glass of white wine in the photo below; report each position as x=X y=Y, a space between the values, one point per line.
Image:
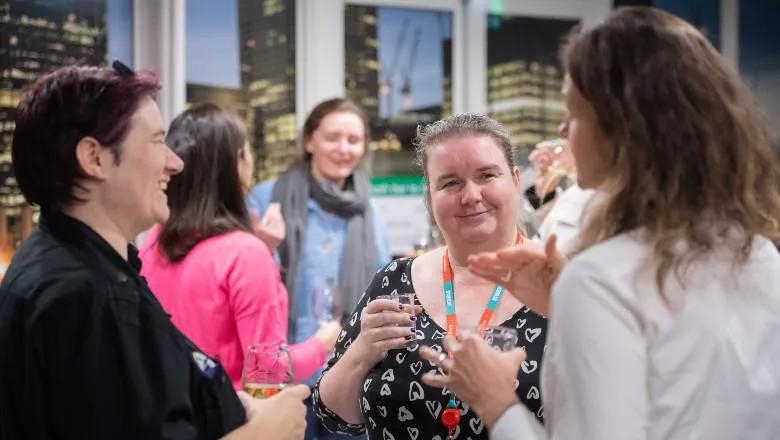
x=326 y=303
x=267 y=370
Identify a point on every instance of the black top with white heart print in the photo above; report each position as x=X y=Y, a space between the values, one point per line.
x=396 y=405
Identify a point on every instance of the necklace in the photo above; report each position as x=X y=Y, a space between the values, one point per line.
x=450 y=417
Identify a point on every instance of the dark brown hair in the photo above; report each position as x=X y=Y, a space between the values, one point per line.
x=323 y=109
x=689 y=157
x=57 y=111
x=207 y=198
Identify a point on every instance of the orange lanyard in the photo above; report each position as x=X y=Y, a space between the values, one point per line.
x=449 y=297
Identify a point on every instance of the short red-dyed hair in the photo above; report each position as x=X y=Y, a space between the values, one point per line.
x=60 y=109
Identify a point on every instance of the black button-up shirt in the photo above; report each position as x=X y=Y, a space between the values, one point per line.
x=87 y=352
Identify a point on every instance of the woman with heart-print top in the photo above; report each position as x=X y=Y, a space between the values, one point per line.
x=374 y=381
x=665 y=318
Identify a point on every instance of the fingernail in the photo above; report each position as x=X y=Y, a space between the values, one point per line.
x=400 y=306
x=409 y=338
x=414 y=318
x=412 y=329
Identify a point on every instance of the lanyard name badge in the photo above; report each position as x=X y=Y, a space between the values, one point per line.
x=450 y=417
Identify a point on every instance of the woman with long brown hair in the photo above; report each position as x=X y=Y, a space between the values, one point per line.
x=665 y=323
x=205 y=264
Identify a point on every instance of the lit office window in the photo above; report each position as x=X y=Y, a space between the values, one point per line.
x=38 y=37
x=241 y=56
x=398 y=68
x=524 y=77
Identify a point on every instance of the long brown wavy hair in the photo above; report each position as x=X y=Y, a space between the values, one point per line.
x=689 y=159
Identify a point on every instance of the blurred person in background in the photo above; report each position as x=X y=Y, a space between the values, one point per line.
x=374 y=382
x=555 y=172
x=665 y=323
x=87 y=351
x=335 y=240
x=216 y=278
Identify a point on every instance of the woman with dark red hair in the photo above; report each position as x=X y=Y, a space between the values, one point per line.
x=87 y=351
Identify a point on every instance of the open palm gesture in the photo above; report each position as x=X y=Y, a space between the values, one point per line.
x=527 y=270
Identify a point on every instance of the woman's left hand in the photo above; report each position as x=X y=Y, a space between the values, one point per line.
x=478 y=374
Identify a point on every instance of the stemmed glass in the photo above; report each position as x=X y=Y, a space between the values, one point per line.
x=267 y=370
x=326 y=303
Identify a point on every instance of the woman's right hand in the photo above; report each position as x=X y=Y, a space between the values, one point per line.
x=526 y=270
x=271 y=228
x=280 y=417
x=384 y=325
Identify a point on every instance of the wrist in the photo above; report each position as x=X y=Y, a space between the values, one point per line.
x=357 y=357
x=322 y=345
x=495 y=406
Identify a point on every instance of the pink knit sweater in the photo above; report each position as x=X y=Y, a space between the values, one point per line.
x=225 y=295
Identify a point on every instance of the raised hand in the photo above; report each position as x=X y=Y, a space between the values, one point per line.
x=270 y=228
x=527 y=271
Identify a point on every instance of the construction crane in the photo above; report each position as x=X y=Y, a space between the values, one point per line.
x=406 y=89
x=386 y=85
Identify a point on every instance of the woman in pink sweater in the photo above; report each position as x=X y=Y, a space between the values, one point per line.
x=215 y=277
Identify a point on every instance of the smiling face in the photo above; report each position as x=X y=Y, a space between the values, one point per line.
x=474 y=194
x=133 y=190
x=336 y=146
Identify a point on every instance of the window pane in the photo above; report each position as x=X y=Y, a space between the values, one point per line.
x=759 y=44
x=398 y=67
x=241 y=56
x=38 y=37
x=524 y=77
x=119 y=21
x=398 y=63
x=704 y=14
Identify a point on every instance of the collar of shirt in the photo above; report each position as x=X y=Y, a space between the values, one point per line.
x=79 y=234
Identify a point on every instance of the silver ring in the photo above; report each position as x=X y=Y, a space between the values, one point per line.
x=441 y=358
x=508 y=276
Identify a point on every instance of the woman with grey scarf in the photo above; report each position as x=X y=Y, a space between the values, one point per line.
x=334 y=238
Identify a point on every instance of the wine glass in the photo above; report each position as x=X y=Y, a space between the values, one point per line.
x=326 y=303
x=406 y=299
x=267 y=370
x=500 y=338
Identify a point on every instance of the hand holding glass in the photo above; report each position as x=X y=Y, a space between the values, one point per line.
x=407 y=299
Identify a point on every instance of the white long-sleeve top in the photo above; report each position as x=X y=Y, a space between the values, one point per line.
x=622 y=365
x=565 y=217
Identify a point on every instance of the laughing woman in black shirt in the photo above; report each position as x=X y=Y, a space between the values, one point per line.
x=87 y=352
x=374 y=382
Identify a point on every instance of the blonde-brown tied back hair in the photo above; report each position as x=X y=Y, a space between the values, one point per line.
x=689 y=154
x=456 y=126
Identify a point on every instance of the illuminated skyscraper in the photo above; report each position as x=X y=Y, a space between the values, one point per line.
x=37 y=37
x=362 y=68
x=267 y=35
x=524 y=77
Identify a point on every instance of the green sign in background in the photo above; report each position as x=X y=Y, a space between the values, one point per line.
x=405 y=185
